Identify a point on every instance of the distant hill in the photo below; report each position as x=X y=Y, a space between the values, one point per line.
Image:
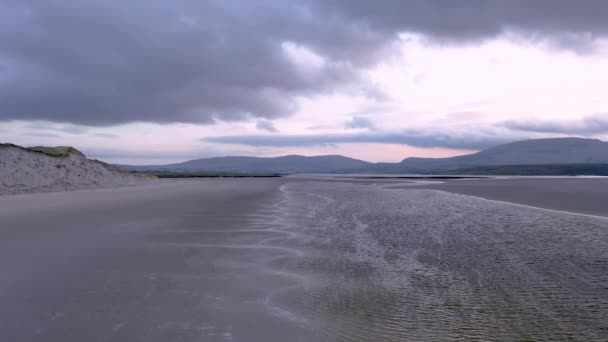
x=41 y=169
x=555 y=151
x=527 y=152
x=285 y=165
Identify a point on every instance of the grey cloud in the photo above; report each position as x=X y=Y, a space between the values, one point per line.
x=44 y=126
x=108 y=62
x=592 y=124
x=412 y=138
x=74 y=129
x=105 y=62
x=266 y=125
x=570 y=22
x=39 y=126
x=360 y=122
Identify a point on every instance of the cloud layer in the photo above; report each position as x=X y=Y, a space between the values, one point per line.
x=411 y=138
x=589 y=125
x=109 y=62
x=563 y=20
x=360 y=122
x=266 y=125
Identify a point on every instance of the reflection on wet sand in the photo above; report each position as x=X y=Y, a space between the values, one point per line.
x=428 y=265
x=296 y=259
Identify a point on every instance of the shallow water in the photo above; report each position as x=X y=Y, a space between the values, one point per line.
x=373 y=264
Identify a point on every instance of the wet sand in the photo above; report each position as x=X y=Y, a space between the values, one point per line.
x=572 y=194
x=296 y=259
x=176 y=261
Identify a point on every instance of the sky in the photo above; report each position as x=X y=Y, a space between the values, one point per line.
x=154 y=81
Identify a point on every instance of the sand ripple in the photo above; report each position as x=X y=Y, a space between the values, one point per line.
x=422 y=265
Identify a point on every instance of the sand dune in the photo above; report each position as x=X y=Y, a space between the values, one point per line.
x=44 y=169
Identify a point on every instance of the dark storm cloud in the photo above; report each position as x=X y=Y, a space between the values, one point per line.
x=104 y=62
x=592 y=124
x=563 y=20
x=411 y=138
x=108 y=62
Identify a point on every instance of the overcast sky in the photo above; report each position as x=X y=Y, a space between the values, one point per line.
x=155 y=81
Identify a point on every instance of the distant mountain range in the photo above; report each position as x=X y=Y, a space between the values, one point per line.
x=284 y=165
x=553 y=151
x=526 y=152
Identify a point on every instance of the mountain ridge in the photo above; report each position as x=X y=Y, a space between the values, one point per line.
x=554 y=151
x=248 y=164
x=568 y=150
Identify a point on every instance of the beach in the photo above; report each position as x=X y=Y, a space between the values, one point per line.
x=307 y=259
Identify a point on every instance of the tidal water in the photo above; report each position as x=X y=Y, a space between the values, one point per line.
x=360 y=262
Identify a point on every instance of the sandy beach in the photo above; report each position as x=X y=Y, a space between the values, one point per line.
x=297 y=259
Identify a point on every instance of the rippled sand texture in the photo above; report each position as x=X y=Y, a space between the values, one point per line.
x=423 y=265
